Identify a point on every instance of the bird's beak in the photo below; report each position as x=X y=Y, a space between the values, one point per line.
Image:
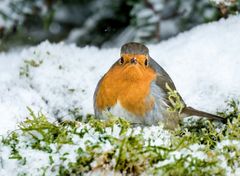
x=133 y=61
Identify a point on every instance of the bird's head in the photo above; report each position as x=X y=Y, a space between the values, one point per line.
x=133 y=63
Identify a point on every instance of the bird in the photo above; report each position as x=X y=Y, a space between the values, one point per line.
x=138 y=89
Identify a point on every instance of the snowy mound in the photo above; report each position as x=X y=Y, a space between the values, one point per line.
x=59 y=79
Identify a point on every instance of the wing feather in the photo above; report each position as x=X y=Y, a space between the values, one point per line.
x=162 y=79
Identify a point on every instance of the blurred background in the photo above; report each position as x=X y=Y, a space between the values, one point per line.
x=104 y=23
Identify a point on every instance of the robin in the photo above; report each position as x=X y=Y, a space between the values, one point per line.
x=138 y=89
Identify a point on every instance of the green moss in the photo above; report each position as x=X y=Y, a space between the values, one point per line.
x=41 y=130
x=101 y=125
x=231 y=154
x=175 y=100
x=24 y=70
x=188 y=165
x=12 y=141
x=232 y=110
x=130 y=152
x=202 y=132
x=134 y=156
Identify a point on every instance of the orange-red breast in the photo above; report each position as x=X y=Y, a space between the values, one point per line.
x=135 y=88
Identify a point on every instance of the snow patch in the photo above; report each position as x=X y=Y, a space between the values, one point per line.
x=203 y=63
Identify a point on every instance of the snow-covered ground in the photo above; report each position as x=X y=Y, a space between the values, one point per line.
x=60 y=79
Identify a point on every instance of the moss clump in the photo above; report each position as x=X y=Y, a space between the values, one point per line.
x=101 y=125
x=40 y=129
x=188 y=165
x=24 y=70
x=175 y=100
x=76 y=148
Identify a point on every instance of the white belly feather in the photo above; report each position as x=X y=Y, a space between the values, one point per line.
x=119 y=111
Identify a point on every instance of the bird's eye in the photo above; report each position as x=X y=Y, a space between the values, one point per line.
x=121 y=60
x=146 y=62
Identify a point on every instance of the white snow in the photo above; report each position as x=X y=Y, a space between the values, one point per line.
x=203 y=63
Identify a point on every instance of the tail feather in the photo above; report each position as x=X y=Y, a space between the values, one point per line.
x=191 y=111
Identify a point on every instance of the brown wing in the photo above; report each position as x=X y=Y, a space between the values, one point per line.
x=162 y=79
